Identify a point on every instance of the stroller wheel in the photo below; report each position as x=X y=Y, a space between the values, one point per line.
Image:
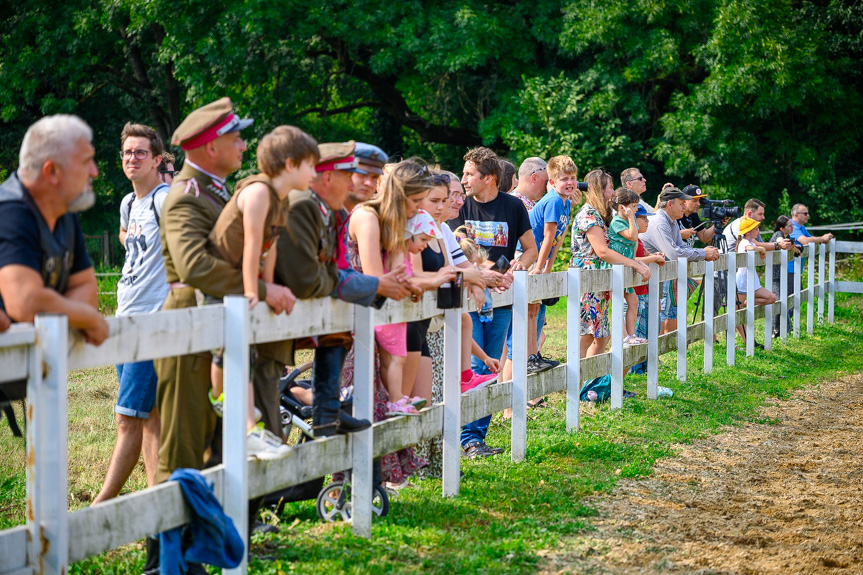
x=334 y=502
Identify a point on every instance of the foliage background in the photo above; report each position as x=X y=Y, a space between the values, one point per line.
x=749 y=99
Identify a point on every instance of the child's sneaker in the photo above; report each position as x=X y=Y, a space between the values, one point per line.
x=478 y=381
x=263 y=444
x=663 y=391
x=397 y=409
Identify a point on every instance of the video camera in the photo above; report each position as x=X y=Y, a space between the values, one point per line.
x=582 y=186
x=718 y=211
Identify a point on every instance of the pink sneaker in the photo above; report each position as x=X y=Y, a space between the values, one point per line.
x=478 y=381
x=397 y=409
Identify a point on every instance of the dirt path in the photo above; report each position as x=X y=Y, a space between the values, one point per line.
x=777 y=498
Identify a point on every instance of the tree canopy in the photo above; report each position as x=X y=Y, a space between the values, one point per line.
x=749 y=99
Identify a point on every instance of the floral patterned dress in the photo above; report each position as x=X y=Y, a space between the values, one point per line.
x=594 y=306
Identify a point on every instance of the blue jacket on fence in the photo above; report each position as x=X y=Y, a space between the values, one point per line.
x=212 y=537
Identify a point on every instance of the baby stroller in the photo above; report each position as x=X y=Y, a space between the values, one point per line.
x=333 y=502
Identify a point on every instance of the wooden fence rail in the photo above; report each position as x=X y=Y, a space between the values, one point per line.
x=45 y=351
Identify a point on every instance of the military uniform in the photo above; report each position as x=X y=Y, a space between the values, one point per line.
x=189 y=213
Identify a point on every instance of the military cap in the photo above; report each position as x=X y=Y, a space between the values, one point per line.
x=694 y=192
x=336 y=156
x=208 y=123
x=669 y=194
x=371 y=158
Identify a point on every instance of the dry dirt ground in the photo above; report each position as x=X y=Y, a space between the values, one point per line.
x=779 y=497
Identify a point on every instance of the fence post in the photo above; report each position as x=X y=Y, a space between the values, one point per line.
x=682 y=297
x=810 y=295
x=106 y=249
x=653 y=295
x=750 y=303
x=798 y=271
x=831 y=300
x=47 y=437
x=452 y=402
x=573 y=347
x=730 y=306
x=783 y=296
x=617 y=329
x=707 y=310
x=364 y=398
x=768 y=317
x=236 y=387
x=822 y=281
x=518 y=429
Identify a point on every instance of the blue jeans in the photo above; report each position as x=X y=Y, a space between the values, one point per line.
x=490 y=337
x=326 y=373
x=137 y=395
x=540 y=323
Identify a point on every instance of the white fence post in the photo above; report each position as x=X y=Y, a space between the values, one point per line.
x=362 y=481
x=783 y=296
x=707 y=290
x=518 y=429
x=617 y=329
x=810 y=295
x=750 y=303
x=768 y=316
x=831 y=300
x=798 y=271
x=47 y=434
x=573 y=347
x=730 y=306
x=822 y=281
x=234 y=424
x=452 y=402
x=653 y=295
x=682 y=297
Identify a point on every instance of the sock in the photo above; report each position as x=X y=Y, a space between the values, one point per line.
x=466 y=375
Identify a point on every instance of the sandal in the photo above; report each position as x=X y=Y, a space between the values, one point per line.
x=538 y=404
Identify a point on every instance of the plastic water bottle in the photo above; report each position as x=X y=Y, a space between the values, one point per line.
x=487 y=312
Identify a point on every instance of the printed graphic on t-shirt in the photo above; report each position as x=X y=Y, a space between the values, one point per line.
x=488 y=234
x=136 y=249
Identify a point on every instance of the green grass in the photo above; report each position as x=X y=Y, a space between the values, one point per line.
x=506 y=513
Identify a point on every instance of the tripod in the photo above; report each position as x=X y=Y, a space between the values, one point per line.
x=720 y=290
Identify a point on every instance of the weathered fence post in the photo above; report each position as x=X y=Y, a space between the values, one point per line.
x=768 y=317
x=236 y=387
x=831 y=300
x=573 y=347
x=617 y=329
x=822 y=281
x=47 y=447
x=707 y=310
x=798 y=271
x=518 y=429
x=730 y=306
x=452 y=402
x=682 y=297
x=750 y=303
x=783 y=296
x=106 y=249
x=810 y=295
x=653 y=295
x=364 y=398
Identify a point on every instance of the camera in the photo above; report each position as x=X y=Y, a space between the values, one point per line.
x=582 y=186
x=716 y=211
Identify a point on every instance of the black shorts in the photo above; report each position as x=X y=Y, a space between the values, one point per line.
x=416 y=340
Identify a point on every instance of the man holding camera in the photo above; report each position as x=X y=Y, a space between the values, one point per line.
x=691 y=226
x=663 y=235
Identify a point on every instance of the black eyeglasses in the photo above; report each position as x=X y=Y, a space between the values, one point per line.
x=139 y=154
x=638 y=179
x=168 y=172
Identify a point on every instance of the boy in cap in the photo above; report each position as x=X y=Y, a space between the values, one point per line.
x=370 y=164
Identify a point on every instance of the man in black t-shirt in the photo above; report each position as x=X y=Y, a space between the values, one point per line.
x=498 y=222
x=690 y=223
x=44 y=267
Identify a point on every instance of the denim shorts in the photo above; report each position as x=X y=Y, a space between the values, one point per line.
x=137 y=394
x=667 y=309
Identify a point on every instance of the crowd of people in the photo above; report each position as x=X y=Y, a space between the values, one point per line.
x=333 y=219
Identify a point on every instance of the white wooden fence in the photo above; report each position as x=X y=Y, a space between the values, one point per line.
x=44 y=352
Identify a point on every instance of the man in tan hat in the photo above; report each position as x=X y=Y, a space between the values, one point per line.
x=214 y=149
x=307 y=262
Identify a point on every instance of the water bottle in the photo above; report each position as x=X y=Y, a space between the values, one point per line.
x=487 y=312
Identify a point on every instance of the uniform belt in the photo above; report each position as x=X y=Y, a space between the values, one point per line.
x=178 y=285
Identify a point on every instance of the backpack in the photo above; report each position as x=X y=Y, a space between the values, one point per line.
x=599 y=385
x=127 y=207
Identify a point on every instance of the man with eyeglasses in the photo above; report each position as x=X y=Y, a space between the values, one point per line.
x=166 y=168
x=141 y=290
x=800 y=236
x=532 y=181
x=631 y=178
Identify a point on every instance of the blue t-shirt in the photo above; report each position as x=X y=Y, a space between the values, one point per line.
x=797 y=232
x=550 y=208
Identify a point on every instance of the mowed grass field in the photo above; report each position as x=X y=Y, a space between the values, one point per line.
x=506 y=514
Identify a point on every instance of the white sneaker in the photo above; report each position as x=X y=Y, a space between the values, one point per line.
x=264 y=444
